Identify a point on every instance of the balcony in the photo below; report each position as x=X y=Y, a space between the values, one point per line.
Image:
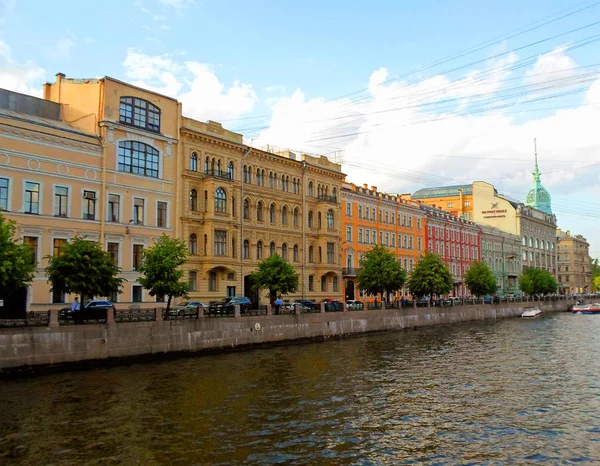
x=220 y=175
x=349 y=272
x=327 y=198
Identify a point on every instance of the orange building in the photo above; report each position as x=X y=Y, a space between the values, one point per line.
x=370 y=217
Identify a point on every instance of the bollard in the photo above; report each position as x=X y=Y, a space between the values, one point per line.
x=345 y=307
x=323 y=307
x=53 y=322
x=110 y=316
x=158 y=317
x=269 y=310
x=200 y=311
x=237 y=310
x=297 y=309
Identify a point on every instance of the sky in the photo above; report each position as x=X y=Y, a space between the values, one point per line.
x=405 y=94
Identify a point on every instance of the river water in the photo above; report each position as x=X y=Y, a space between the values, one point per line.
x=512 y=391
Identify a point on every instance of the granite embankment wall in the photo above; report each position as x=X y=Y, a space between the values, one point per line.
x=40 y=346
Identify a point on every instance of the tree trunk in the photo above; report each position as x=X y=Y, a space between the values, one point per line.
x=166 y=317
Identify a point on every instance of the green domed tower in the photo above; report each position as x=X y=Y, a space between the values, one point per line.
x=538 y=197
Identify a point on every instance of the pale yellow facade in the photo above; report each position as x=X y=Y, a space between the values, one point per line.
x=574 y=263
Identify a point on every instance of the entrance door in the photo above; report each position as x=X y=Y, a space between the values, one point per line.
x=250 y=292
x=350 y=289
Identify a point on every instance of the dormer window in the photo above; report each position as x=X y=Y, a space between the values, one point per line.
x=139 y=113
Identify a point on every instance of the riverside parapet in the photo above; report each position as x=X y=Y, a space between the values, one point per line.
x=21 y=347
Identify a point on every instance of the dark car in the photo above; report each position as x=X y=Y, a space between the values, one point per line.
x=226 y=306
x=308 y=303
x=94 y=309
x=333 y=305
x=187 y=308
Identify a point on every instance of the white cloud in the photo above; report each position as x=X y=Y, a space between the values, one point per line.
x=195 y=84
x=178 y=5
x=551 y=66
x=24 y=77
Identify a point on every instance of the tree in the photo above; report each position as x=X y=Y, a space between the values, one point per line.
x=81 y=267
x=537 y=281
x=276 y=275
x=480 y=279
x=596 y=283
x=380 y=272
x=595 y=269
x=16 y=264
x=161 y=272
x=430 y=277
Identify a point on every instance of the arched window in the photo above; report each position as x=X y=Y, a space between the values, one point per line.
x=245 y=174
x=284 y=251
x=212 y=166
x=193 y=244
x=271 y=182
x=284 y=215
x=310 y=219
x=205 y=201
x=283 y=185
x=139 y=113
x=230 y=171
x=330 y=222
x=262 y=177
x=320 y=254
x=207 y=165
x=272 y=213
x=296 y=217
x=531 y=241
x=259 y=250
x=524 y=240
x=218 y=167
x=258 y=182
x=220 y=201
x=138 y=158
x=233 y=206
x=272 y=249
x=310 y=189
x=543 y=245
x=193 y=200
x=246 y=209
x=319 y=220
x=246 y=249
x=259 y=211
x=334 y=194
x=194 y=162
x=311 y=254
x=296 y=255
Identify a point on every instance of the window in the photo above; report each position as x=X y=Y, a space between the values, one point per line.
x=233 y=206
x=359 y=211
x=348 y=234
x=113 y=251
x=161 y=214
x=360 y=235
x=284 y=251
x=246 y=209
x=246 y=249
x=450 y=205
x=467 y=203
x=138 y=158
x=419 y=245
x=61 y=197
x=272 y=213
x=259 y=248
x=193 y=280
x=311 y=283
x=393 y=239
x=138 y=211
x=3 y=193
x=57 y=245
x=193 y=244
x=271 y=180
x=114 y=202
x=284 y=215
x=335 y=283
x=138 y=250
x=32 y=198
x=319 y=220
x=259 y=178
x=220 y=243
x=272 y=249
x=310 y=189
x=296 y=253
x=331 y=253
x=330 y=222
x=230 y=170
x=139 y=113
x=194 y=162
x=220 y=201
x=310 y=254
x=32 y=242
x=259 y=212
x=193 y=200
x=310 y=219
x=57 y=297
x=212 y=281
x=323 y=283
x=136 y=294
x=296 y=217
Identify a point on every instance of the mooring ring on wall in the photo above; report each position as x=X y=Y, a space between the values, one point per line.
x=256 y=326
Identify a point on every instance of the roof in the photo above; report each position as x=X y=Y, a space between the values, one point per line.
x=443 y=191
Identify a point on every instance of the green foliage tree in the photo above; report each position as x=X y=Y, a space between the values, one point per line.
x=276 y=275
x=596 y=283
x=380 y=272
x=16 y=264
x=480 y=279
x=595 y=269
x=81 y=267
x=537 y=281
x=161 y=272
x=430 y=277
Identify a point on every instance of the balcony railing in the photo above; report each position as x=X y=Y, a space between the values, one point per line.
x=221 y=175
x=349 y=272
x=327 y=198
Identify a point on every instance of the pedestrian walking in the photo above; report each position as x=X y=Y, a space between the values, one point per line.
x=277 y=305
x=75 y=308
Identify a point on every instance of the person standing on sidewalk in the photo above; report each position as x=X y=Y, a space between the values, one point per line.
x=277 y=305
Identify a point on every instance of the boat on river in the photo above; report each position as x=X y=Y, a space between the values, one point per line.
x=532 y=312
x=593 y=308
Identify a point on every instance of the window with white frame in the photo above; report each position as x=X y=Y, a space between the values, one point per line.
x=139 y=113
x=138 y=158
x=138 y=211
x=4 y=193
x=220 y=243
x=61 y=201
x=349 y=234
x=114 y=208
x=161 y=214
x=32 y=198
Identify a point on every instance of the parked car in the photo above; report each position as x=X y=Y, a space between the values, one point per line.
x=226 y=305
x=292 y=306
x=94 y=309
x=308 y=303
x=354 y=304
x=333 y=305
x=186 y=308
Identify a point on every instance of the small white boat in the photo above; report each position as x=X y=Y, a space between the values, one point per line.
x=532 y=312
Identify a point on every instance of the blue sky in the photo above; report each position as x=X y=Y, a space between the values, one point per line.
x=353 y=80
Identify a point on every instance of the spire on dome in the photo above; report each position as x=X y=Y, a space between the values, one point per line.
x=538 y=197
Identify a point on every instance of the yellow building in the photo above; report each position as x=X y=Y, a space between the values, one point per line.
x=574 y=263
x=243 y=204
